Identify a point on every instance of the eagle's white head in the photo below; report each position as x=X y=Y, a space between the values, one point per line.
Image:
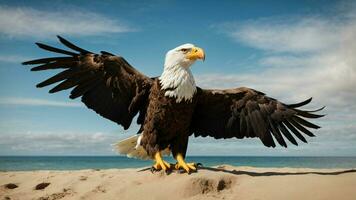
x=184 y=56
x=177 y=79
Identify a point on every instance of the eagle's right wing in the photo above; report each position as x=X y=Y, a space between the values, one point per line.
x=106 y=83
x=244 y=112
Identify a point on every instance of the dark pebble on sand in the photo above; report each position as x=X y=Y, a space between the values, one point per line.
x=41 y=186
x=11 y=186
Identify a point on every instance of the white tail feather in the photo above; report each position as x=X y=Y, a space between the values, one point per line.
x=131 y=148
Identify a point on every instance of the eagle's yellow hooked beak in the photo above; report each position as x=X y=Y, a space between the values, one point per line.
x=196 y=53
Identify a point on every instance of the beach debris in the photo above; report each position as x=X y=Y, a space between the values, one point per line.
x=42 y=186
x=99 y=188
x=83 y=178
x=11 y=186
x=205 y=185
x=59 y=195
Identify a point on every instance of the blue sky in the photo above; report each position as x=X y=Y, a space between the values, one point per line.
x=289 y=50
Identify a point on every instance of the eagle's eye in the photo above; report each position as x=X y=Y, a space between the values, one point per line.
x=184 y=50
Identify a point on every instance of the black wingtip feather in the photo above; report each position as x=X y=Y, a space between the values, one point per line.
x=51 y=91
x=107 y=53
x=31 y=62
x=287 y=134
x=307 y=114
x=56 y=78
x=47 y=60
x=295 y=131
x=296 y=105
x=275 y=131
x=317 y=110
x=301 y=128
x=305 y=122
x=72 y=46
x=40 y=85
x=53 y=49
x=34 y=69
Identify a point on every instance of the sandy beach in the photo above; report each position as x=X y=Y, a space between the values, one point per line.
x=222 y=182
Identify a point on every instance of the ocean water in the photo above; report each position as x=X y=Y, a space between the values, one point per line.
x=25 y=163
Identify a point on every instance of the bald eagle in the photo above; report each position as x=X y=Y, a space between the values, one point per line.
x=171 y=108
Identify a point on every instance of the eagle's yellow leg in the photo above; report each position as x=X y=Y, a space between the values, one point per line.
x=188 y=167
x=160 y=163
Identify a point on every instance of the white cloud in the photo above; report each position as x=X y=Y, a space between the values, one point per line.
x=306 y=34
x=57 y=143
x=302 y=57
x=30 y=22
x=17 y=101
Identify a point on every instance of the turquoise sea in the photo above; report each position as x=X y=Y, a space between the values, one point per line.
x=23 y=163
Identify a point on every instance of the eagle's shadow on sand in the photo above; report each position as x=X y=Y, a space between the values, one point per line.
x=256 y=174
x=249 y=173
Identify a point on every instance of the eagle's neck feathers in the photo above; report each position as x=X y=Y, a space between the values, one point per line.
x=178 y=82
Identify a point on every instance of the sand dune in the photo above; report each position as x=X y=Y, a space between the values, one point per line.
x=224 y=182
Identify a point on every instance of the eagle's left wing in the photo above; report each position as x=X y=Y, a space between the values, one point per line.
x=106 y=83
x=244 y=112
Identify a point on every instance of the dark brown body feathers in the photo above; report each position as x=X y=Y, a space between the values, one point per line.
x=167 y=122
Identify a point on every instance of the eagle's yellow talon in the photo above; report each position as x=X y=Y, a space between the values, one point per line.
x=160 y=163
x=157 y=167
x=167 y=164
x=181 y=164
x=189 y=167
x=192 y=166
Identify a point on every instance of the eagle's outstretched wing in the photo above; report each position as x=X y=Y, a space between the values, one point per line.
x=244 y=112
x=106 y=83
